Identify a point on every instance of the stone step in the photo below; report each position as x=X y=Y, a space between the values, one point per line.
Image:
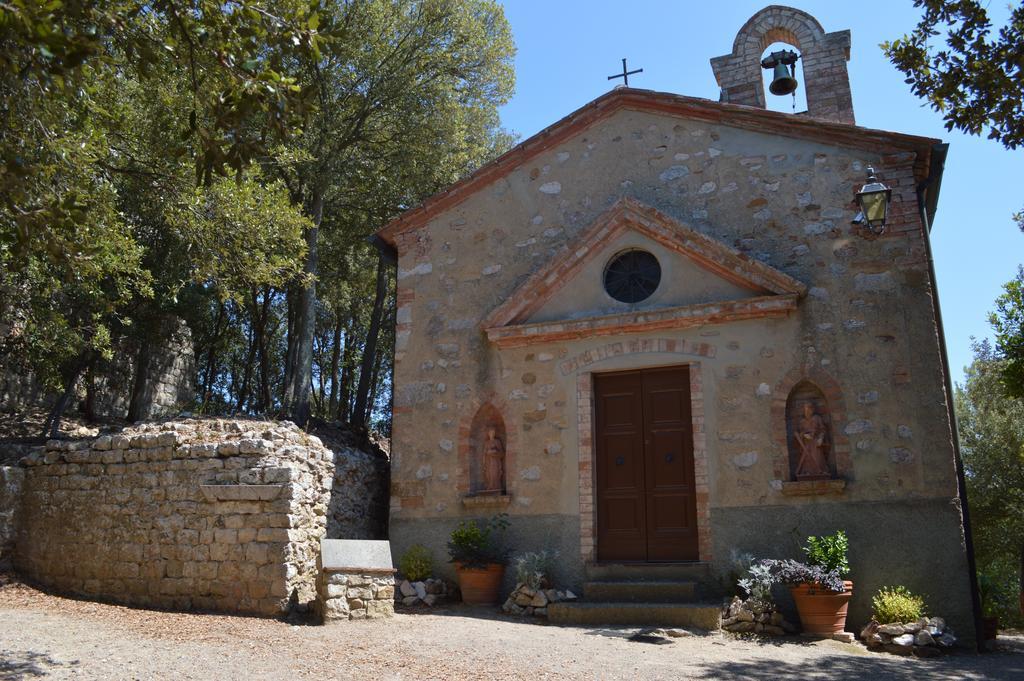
x=648 y=572
x=640 y=591
x=706 y=616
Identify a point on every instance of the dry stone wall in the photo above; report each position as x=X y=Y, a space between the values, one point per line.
x=12 y=479
x=203 y=514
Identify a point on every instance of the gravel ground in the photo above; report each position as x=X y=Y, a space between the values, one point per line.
x=42 y=635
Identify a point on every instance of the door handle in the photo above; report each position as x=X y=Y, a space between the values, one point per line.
x=669 y=457
x=619 y=460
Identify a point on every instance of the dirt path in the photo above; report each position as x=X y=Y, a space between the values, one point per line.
x=48 y=636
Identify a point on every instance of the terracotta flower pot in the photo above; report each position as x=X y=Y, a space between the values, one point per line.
x=480 y=586
x=989 y=628
x=822 y=612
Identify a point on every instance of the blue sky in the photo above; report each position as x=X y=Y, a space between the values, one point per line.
x=567 y=48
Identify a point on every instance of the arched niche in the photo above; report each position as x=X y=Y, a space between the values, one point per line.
x=488 y=443
x=809 y=434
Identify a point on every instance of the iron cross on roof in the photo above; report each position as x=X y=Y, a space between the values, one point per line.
x=625 y=73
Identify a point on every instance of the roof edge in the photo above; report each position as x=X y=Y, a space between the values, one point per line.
x=733 y=115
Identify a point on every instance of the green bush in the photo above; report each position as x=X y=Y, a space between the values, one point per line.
x=534 y=569
x=417 y=563
x=475 y=546
x=896 y=604
x=829 y=552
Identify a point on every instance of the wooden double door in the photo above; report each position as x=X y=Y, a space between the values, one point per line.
x=646 y=497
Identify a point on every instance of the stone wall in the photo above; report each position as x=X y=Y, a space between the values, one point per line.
x=359 y=495
x=353 y=595
x=168 y=386
x=12 y=479
x=197 y=514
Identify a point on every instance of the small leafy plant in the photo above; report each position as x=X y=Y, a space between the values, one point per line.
x=793 y=572
x=992 y=596
x=758 y=584
x=534 y=569
x=476 y=545
x=896 y=604
x=417 y=563
x=829 y=552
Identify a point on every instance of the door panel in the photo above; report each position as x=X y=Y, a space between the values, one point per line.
x=669 y=479
x=621 y=506
x=646 y=498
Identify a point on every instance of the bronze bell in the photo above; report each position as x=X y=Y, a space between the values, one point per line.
x=783 y=82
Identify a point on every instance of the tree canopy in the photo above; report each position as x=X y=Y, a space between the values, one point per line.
x=976 y=81
x=224 y=162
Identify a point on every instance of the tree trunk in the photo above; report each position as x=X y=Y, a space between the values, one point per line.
x=332 y=405
x=305 y=323
x=142 y=365
x=211 y=356
x=286 y=382
x=263 y=403
x=51 y=427
x=243 y=393
x=361 y=408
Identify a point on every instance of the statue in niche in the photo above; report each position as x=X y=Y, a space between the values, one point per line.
x=811 y=435
x=494 y=462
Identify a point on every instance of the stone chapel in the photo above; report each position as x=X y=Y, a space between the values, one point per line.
x=657 y=336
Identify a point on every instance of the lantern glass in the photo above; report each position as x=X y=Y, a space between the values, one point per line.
x=875 y=205
x=874 y=198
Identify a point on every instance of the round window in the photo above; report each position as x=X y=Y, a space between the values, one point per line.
x=632 y=276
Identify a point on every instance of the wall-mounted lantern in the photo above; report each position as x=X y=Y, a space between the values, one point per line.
x=873 y=199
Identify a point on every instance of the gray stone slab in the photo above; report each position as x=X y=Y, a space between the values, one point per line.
x=356 y=554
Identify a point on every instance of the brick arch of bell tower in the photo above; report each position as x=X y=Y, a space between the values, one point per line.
x=823 y=55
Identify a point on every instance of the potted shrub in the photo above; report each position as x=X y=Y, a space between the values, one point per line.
x=479 y=559
x=821 y=595
x=991 y=600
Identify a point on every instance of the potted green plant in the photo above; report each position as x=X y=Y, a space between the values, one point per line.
x=991 y=600
x=479 y=557
x=821 y=595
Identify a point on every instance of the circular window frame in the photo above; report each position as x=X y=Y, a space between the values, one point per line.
x=618 y=257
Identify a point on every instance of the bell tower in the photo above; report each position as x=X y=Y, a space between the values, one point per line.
x=823 y=55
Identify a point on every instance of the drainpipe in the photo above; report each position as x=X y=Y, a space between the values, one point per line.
x=927 y=200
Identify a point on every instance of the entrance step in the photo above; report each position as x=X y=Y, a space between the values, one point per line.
x=648 y=572
x=704 y=616
x=640 y=591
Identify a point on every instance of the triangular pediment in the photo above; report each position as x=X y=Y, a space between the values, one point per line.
x=703 y=282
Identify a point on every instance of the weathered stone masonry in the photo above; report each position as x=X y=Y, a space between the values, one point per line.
x=220 y=515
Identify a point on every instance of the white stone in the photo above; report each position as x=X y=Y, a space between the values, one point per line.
x=745 y=461
x=814 y=228
x=491 y=269
x=818 y=292
x=904 y=432
x=764 y=390
x=421 y=590
x=859 y=426
x=424 y=472
x=673 y=173
x=712 y=152
x=707 y=188
x=531 y=473
x=446 y=445
x=421 y=268
x=551 y=188
x=881 y=281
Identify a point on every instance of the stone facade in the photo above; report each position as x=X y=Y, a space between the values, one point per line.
x=203 y=514
x=359 y=494
x=762 y=190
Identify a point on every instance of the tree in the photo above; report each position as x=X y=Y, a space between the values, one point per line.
x=407 y=95
x=991 y=427
x=1008 y=323
x=977 y=80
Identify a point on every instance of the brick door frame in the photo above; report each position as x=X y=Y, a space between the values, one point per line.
x=587 y=470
